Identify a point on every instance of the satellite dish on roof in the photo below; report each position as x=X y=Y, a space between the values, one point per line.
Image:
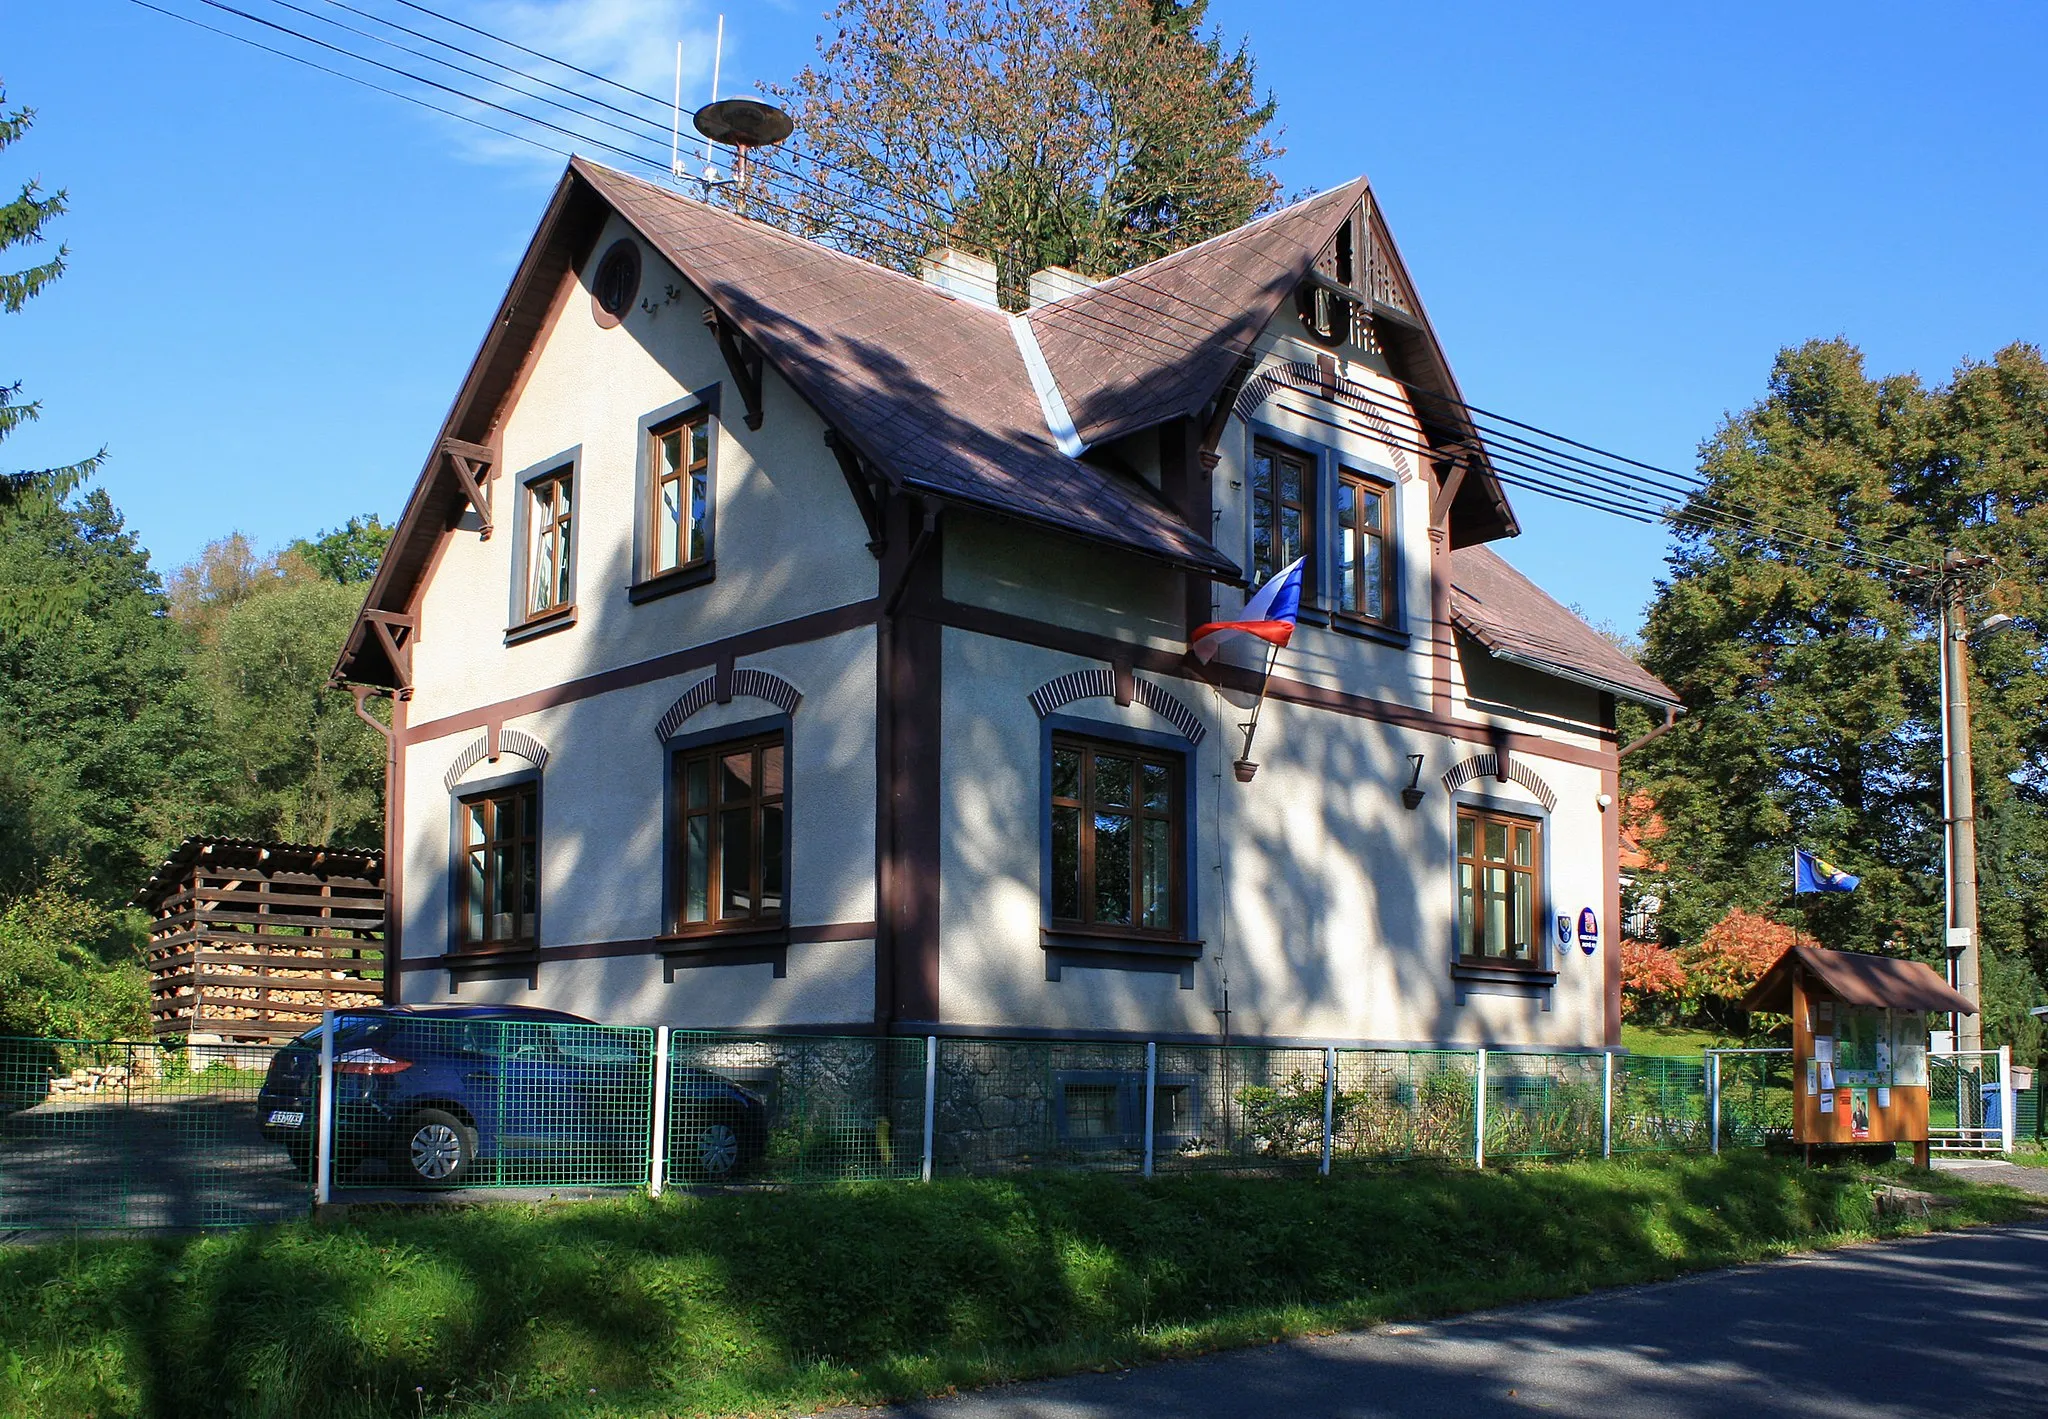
x=743 y=123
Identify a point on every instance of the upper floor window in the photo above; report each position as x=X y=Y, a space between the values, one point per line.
x=500 y=886
x=730 y=845
x=680 y=490
x=1364 y=564
x=548 y=583
x=1283 y=491
x=1500 y=868
x=1116 y=835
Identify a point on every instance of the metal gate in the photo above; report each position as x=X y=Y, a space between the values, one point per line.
x=1970 y=1103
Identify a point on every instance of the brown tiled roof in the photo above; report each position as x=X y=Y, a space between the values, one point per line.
x=250 y=852
x=1156 y=343
x=1514 y=618
x=932 y=389
x=1876 y=982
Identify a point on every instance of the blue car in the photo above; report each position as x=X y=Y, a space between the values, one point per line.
x=440 y=1096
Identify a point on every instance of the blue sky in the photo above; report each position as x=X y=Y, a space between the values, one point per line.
x=1616 y=214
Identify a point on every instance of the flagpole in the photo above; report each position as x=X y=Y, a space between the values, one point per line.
x=1244 y=768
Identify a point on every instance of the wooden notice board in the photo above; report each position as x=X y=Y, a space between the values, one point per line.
x=1859 y=1072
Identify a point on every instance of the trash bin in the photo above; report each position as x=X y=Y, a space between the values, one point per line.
x=1994 y=1122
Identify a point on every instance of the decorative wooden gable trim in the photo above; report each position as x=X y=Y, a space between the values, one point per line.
x=744 y=681
x=394 y=631
x=1101 y=682
x=743 y=358
x=471 y=464
x=1491 y=765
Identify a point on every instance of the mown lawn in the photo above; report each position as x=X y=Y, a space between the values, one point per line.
x=1673 y=1040
x=777 y=1302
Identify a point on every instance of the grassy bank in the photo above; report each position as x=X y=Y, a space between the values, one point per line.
x=761 y=1303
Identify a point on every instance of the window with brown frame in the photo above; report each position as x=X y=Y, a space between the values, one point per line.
x=500 y=871
x=729 y=845
x=1500 y=872
x=679 y=519
x=1283 y=490
x=1365 y=564
x=549 y=587
x=1116 y=838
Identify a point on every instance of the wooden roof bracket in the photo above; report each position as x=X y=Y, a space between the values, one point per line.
x=869 y=492
x=1450 y=477
x=394 y=631
x=1219 y=414
x=743 y=359
x=472 y=464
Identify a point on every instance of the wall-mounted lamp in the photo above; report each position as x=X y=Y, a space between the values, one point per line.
x=1411 y=796
x=1606 y=801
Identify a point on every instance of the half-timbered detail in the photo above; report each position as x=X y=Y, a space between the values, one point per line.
x=1006 y=797
x=250 y=941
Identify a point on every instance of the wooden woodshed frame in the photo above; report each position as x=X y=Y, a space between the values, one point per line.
x=250 y=941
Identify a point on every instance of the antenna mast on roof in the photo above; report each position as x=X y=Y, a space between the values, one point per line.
x=740 y=124
x=717 y=62
x=675 y=121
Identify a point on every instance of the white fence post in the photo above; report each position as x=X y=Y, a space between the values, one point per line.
x=323 y=1120
x=1607 y=1103
x=1479 y=1114
x=2007 y=1123
x=657 y=1144
x=1151 y=1097
x=1329 y=1101
x=1714 y=1097
x=931 y=1097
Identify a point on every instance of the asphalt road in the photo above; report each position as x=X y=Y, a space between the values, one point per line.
x=1952 y=1325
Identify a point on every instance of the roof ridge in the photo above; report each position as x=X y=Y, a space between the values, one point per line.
x=807 y=243
x=1219 y=239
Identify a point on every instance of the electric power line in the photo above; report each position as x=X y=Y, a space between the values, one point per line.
x=1595 y=485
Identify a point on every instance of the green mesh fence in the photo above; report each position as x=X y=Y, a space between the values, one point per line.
x=137 y=1134
x=1237 y=1107
x=795 y=1109
x=1542 y=1105
x=1012 y=1104
x=108 y=1135
x=1660 y=1105
x=1756 y=1098
x=442 y=1103
x=1391 y=1105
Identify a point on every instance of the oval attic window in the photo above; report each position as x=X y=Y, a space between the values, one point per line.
x=617 y=283
x=1326 y=314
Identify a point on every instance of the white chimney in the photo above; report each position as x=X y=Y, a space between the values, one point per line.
x=1055 y=283
x=968 y=277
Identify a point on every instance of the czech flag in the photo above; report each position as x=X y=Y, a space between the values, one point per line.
x=1814 y=874
x=1269 y=615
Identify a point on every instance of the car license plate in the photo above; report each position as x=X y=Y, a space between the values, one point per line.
x=288 y=1118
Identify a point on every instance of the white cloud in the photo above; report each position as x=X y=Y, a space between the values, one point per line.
x=632 y=42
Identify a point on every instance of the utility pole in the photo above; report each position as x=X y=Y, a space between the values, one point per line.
x=1960 y=798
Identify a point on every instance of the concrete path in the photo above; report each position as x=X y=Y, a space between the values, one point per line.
x=1953 y=1325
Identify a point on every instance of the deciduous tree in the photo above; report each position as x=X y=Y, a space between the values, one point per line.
x=1094 y=134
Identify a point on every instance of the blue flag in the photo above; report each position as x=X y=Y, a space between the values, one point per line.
x=1815 y=874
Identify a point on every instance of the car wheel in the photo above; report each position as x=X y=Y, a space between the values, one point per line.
x=712 y=1150
x=437 y=1148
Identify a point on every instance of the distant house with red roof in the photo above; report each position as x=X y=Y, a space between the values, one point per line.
x=781 y=641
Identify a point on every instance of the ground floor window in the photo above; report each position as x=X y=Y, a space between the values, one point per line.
x=1116 y=838
x=1500 y=871
x=500 y=873
x=730 y=804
